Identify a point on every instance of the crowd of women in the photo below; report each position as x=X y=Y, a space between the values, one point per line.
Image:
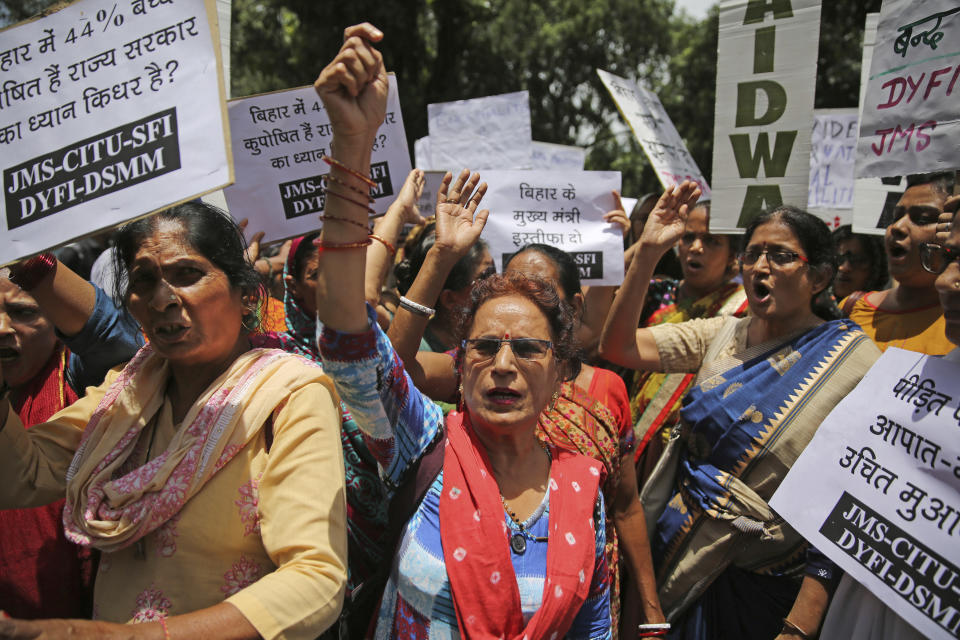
x=438 y=450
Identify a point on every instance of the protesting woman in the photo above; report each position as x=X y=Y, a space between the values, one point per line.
x=708 y=263
x=207 y=472
x=58 y=335
x=591 y=415
x=508 y=538
x=728 y=566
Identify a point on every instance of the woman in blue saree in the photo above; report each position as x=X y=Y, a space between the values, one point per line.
x=727 y=565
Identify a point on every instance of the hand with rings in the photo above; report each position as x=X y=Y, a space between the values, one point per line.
x=945 y=220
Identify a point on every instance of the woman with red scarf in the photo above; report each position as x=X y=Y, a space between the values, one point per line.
x=508 y=539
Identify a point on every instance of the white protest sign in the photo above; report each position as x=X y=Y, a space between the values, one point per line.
x=421 y=154
x=873 y=198
x=561 y=157
x=279 y=140
x=766 y=74
x=878 y=488
x=493 y=132
x=832 y=153
x=561 y=208
x=655 y=132
x=909 y=122
x=109 y=110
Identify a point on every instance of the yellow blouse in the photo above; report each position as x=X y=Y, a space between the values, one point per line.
x=267 y=533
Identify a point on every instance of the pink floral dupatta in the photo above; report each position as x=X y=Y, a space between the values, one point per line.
x=111 y=507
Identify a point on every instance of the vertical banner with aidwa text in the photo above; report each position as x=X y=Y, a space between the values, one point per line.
x=109 y=109
x=766 y=76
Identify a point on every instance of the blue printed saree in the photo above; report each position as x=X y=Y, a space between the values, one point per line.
x=744 y=423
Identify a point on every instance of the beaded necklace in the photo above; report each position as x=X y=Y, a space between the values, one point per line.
x=518 y=541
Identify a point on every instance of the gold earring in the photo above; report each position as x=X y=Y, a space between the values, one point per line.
x=554 y=399
x=460 y=398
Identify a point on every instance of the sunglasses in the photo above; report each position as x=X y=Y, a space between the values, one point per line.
x=483 y=349
x=779 y=258
x=936 y=258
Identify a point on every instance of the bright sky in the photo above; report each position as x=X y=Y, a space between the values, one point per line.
x=696 y=8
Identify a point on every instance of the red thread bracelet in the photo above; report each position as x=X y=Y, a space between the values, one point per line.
x=330 y=192
x=356 y=174
x=356 y=223
x=339 y=246
x=365 y=194
x=392 y=249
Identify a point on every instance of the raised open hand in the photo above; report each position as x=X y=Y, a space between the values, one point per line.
x=459 y=224
x=408 y=197
x=353 y=87
x=665 y=224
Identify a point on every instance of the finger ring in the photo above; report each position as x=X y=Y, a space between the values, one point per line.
x=453 y=200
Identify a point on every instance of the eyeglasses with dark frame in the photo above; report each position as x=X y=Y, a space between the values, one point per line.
x=483 y=349
x=778 y=257
x=936 y=258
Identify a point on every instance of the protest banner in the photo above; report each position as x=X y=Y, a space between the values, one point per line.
x=832 y=155
x=561 y=208
x=909 y=122
x=546 y=156
x=108 y=110
x=493 y=132
x=873 y=198
x=766 y=74
x=279 y=140
x=655 y=132
x=878 y=489
x=421 y=154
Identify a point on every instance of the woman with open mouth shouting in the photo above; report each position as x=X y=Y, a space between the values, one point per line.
x=206 y=471
x=728 y=566
x=505 y=538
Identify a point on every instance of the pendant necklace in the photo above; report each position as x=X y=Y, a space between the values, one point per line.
x=518 y=540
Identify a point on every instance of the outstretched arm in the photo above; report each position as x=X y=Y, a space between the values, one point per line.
x=622 y=342
x=459 y=225
x=598 y=298
x=380 y=254
x=353 y=88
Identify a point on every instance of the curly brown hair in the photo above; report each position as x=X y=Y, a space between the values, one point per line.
x=542 y=293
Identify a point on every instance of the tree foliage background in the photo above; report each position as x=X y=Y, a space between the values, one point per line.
x=445 y=50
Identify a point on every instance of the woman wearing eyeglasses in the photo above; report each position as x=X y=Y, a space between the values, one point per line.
x=507 y=539
x=728 y=566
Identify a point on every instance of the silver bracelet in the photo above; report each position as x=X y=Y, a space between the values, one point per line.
x=417 y=308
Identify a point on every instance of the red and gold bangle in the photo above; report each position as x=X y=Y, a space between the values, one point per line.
x=330 y=192
x=29 y=274
x=356 y=223
x=356 y=174
x=390 y=248
x=339 y=246
x=365 y=194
